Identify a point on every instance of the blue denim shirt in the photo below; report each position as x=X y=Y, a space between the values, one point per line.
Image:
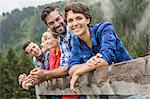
x=104 y=41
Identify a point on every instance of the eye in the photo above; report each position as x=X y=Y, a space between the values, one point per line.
x=69 y=20
x=48 y=38
x=57 y=19
x=50 y=23
x=79 y=18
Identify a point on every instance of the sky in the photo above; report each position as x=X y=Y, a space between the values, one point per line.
x=9 y=5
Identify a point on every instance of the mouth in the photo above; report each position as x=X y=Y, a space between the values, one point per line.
x=77 y=29
x=60 y=29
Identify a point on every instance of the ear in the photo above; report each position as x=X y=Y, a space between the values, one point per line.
x=88 y=20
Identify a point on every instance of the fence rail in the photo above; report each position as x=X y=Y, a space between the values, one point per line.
x=126 y=78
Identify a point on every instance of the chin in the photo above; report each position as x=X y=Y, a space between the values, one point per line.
x=62 y=31
x=76 y=33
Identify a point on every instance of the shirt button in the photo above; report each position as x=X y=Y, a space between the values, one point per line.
x=84 y=56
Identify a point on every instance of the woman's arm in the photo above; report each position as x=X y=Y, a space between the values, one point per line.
x=85 y=68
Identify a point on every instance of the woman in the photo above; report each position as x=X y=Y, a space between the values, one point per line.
x=94 y=45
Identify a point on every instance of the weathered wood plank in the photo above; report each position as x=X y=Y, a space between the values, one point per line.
x=126 y=78
x=95 y=89
x=107 y=89
x=147 y=63
x=126 y=88
x=84 y=86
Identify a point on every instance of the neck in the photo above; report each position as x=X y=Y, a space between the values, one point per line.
x=57 y=48
x=64 y=33
x=40 y=57
x=86 y=38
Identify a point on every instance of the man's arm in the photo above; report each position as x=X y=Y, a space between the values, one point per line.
x=58 y=72
x=41 y=75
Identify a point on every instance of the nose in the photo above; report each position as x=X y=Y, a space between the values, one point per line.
x=34 y=50
x=57 y=25
x=75 y=23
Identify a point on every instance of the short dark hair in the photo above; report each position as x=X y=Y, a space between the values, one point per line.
x=47 y=10
x=25 y=45
x=78 y=7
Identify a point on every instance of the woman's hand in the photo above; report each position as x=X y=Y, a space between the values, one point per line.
x=73 y=82
x=94 y=60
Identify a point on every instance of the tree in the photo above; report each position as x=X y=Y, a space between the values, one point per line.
x=11 y=66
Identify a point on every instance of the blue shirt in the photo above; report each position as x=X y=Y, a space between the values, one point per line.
x=65 y=47
x=44 y=63
x=104 y=41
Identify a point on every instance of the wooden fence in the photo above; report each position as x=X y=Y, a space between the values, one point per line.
x=126 y=78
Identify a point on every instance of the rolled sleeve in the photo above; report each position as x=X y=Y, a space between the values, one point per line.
x=108 y=44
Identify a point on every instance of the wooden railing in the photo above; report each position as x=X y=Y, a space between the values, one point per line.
x=126 y=78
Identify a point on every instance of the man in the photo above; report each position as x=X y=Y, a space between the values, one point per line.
x=40 y=60
x=53 y=18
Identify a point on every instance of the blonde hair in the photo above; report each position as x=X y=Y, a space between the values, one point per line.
x=45 y=36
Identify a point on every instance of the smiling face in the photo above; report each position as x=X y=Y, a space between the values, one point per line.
x=77 y=23
x=50 y=43
x=33 y=49
x=45 y=36
x=56 y=22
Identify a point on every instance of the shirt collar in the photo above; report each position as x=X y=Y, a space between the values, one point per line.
x=92 y=35
x=67 y=36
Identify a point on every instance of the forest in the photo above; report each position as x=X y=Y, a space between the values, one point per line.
x=131 y=19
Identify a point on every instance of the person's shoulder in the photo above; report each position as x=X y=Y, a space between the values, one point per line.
x=100 y=25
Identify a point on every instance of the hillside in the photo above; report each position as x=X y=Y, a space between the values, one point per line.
x=21 y=26
x=130 y=18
